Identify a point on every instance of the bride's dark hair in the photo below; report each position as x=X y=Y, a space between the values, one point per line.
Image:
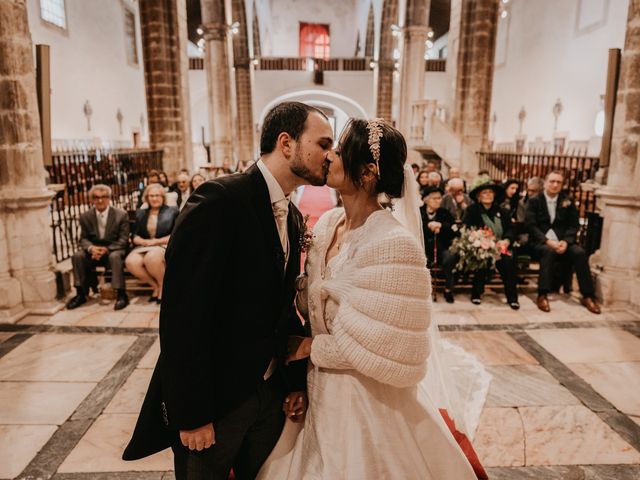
x=356 y=154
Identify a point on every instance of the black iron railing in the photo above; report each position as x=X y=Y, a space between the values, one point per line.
x=76 y=172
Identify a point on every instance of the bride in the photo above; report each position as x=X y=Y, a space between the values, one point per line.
x=368 y=303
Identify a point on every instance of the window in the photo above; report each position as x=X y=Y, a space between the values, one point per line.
x=314 y=40
x=130 y=36
x=53 y=12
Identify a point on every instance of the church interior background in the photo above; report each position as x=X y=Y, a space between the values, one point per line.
x=100 y=91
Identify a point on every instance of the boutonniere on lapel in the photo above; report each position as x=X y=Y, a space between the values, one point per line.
x=565 y=203
x=306 y=236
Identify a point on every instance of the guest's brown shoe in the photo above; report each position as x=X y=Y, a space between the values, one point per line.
x=543 y=303
x=590 y=305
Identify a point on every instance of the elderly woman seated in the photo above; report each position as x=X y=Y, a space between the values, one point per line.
x=487 y=213
x=150 y=237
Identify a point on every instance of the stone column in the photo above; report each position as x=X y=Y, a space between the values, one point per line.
x=386 y=63
x=476 y=52
x=243 y=66
x=413 y=64
x=166 y=70
x=216 y=60
x=619 y=201
x=27 y=282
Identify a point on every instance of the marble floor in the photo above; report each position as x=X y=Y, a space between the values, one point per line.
x=564 y=402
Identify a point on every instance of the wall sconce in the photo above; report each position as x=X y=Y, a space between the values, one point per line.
x=395 y=30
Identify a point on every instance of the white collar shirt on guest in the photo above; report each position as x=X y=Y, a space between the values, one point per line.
x=552 y=204
x=102 y=217
x=277 y=196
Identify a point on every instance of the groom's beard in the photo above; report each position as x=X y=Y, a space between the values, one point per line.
x=301 y=170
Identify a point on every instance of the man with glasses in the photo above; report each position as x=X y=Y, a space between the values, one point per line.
x=104 y=238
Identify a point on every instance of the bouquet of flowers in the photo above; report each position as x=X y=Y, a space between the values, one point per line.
x=476 y=249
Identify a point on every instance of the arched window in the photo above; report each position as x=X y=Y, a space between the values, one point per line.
x=314 y=40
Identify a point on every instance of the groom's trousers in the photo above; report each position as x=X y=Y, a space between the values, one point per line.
x=244 y=438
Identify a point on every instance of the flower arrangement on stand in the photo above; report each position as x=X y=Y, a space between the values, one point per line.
x=476 y=249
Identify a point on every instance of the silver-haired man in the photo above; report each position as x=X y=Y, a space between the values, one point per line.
x=104 y=238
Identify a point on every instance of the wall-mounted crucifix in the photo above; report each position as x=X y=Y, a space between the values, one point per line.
x=88 y=111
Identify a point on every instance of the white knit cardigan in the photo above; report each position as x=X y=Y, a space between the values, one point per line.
x=384 y=303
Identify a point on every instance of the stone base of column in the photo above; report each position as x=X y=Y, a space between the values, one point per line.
x=618 y=288
x=11 y=308
x=618 y=281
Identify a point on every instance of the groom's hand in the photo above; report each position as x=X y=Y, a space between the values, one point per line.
x=298 y=348
x=198 y=439
x=295 y=406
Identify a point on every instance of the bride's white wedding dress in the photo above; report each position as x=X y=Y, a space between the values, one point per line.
x=368 y=416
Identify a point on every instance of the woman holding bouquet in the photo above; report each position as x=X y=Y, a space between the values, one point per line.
x=484 y=213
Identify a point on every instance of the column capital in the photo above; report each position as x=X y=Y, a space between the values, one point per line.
x=215 y=31
x=386 y=64
x=416 y=31
x=242 y=62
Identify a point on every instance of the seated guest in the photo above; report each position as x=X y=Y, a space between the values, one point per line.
x=163 y=180
x=416 y=168
x=104 y=237
x=434 y=179
x=512 y=199
x=534 y=186
x=454 y=172
x=432 y=166
x=437 y=223
x=150 y=237
x=423 y=179
x=182 y=189
x=551 y=218
x=196 y=181
x=486 y=212
x=152 y=177
x=456 y=201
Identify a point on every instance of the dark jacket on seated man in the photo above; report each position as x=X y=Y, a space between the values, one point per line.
x=115 y=239
x=166 y=219
x=538 y=220
x=564 y=226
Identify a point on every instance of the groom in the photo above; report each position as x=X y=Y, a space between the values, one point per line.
x=216 y=395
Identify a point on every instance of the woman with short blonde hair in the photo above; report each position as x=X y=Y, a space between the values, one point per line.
x=150 y=236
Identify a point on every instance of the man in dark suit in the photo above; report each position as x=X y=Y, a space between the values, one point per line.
x=217 y=392
x=551 y=218
x=104 y=237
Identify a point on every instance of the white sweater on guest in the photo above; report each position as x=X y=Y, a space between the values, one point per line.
x=383 y=296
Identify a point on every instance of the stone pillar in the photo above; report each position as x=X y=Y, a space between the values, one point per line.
x=619 y=201
x=216 y=60
x=386 y=63
x=27 y=282
x=243 y=66
x=413 y=64
x=166 y=73
x=476 y=52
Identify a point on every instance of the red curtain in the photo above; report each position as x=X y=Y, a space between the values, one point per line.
x=314 y=40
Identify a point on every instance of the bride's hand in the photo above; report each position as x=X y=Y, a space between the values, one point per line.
x=298 y=348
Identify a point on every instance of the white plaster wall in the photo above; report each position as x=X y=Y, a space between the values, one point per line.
x=286 y=15
x=89 y=62
x=351 y=92
x=548 y=57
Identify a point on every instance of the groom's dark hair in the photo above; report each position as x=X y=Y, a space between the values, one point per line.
x=290 y=117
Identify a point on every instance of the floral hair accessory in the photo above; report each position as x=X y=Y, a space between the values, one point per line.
x=374 y=127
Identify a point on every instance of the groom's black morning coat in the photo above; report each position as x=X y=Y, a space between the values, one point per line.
x=227 y=310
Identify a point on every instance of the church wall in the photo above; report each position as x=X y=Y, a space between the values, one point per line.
x=89 y=62
x=549 y=50
x=341 y=15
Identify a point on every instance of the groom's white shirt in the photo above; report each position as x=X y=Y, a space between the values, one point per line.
x=276 y=194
